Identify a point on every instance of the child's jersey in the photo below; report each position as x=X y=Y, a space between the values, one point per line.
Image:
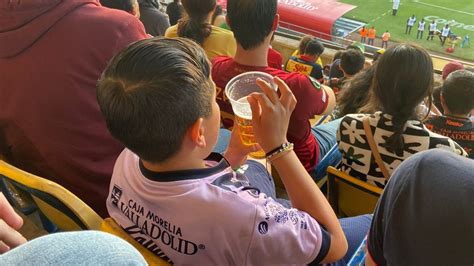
x=210 y=216
x=304 y=65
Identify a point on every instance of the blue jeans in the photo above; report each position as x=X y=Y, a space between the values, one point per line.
x=262 y=180
x=329 y=154
x=74 y=248
x=222 y=141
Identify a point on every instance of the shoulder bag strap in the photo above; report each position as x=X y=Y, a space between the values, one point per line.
x=373 y=148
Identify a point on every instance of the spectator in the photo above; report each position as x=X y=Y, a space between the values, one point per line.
x=363 y=34
x=429 y=191
x=335 y=72
x=410 y=23
x=218 y=18
x=377 y=55
x=197 y=27
x=371 y=35
x=403 y=78
x=305 y=62
x=352 y=61
x=421 y=29
x=302 y=46
x=56 y=130
x=312 y=97
x=447 y=69
x=129 y=6
x=355 y=92
x=155 y=21
x=385 y=39
x=175 y=11
x=457 y=99
x=433 y=30
x=166 y=169
x=445 y=32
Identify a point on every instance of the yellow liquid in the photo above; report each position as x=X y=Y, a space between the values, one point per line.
x=247 y=137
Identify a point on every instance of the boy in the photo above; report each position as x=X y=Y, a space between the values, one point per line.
x=457 y=100
x=305 y=62
x=352 y=61
x=182 y=202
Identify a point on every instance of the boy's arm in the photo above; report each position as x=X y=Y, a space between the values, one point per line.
x=271 y=116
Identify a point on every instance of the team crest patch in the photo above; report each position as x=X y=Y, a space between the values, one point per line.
x=116 y=195
x=316 y=84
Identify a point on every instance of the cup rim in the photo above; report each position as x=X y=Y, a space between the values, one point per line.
x=234 y=79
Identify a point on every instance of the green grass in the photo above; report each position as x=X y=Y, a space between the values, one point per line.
x=370 y=11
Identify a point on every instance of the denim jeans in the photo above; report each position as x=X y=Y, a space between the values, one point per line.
x=74 y=248
x=222 y=141
x=329 y=154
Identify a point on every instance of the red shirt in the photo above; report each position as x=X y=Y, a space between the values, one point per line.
x=51 y=55
x=311 y=101
x=274 y=59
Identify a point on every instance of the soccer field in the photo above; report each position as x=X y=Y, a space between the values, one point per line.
x=378 y=13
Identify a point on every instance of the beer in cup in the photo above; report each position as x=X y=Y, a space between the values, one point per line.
x=237 y=91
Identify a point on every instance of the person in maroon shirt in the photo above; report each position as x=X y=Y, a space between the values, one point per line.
x=52 y=53
x=253 y=34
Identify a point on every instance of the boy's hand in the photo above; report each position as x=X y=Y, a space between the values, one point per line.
x=10 y=222
x=271 y=114
x=236 y=153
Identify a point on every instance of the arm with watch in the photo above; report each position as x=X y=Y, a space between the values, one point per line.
x=270 y=118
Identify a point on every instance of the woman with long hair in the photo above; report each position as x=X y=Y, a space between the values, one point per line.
x=196 y=25
x=373 y=145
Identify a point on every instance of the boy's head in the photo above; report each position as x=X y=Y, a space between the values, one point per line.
x=156 y=95
x=303 y=42
x=314 y=48
x=252 y=21
x=458 y=93
x=352 y=61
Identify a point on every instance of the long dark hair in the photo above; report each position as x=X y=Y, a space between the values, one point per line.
x=403 y=78
x=194 y=25
x=355 y=92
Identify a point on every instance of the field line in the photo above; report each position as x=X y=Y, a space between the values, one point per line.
x=445 y=8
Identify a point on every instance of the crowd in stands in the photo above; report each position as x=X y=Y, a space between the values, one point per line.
x=140 y=129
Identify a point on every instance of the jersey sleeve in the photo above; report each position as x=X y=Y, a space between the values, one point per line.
x=286 y=236
x=310 y=95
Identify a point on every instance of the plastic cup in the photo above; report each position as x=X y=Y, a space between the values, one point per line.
x=237 y=91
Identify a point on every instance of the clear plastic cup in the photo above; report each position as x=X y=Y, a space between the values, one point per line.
x=237 y=91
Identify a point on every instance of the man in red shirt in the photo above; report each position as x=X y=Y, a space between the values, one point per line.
x=52 y=53
x=253 y=23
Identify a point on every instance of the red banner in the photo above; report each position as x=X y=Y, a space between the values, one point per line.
x=309 y=16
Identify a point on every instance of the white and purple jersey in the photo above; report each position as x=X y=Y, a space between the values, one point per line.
x=210 y=216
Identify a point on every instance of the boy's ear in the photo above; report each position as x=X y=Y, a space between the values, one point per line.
x=276 y=21
x=196 y=133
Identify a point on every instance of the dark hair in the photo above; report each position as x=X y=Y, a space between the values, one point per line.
x=458 y=92
x=352 y=61
x=194 y=25
x=251 y=20
x=314 y=47
x=151 y=92
x=218 y=12
x=403 y=78
x=303 y=42
x=355 y=92
x=125 y=5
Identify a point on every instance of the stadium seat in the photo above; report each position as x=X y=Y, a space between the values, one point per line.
x=61 y=207
x=110 y=226
x=350 y=196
